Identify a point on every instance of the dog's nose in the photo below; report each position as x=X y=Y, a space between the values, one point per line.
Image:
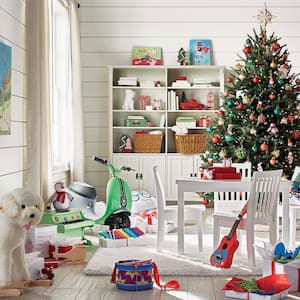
x=32 y=216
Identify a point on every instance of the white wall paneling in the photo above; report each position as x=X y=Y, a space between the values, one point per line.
x=13 y=147
x=110 y=28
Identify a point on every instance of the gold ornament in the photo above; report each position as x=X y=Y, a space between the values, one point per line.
x=246 y=100
x=276 y=153
x=253 y=131
x=273 y=65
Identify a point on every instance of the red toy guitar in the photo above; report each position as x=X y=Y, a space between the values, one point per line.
x=222 y=256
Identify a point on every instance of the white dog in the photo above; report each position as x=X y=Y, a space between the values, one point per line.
x=20 y=209
x=129 y=100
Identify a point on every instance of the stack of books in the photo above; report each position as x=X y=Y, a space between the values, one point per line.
x=130 y=81
x=181 y=82
x=198 y=82
x=225 y=173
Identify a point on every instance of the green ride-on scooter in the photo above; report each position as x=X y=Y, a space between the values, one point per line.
x=118 y=198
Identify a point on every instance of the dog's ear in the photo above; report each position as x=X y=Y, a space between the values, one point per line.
x=9 y=205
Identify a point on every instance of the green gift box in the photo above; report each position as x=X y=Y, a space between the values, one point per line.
x=136 y=123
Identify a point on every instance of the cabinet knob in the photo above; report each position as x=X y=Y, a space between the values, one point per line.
x=141 y=176
x=136 y=175
x=195 y=174
x=191 y=175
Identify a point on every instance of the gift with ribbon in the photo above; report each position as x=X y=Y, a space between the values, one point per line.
x=149 y=215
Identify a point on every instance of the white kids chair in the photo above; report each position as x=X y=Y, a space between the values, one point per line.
x=262 y=209
x=169 y=213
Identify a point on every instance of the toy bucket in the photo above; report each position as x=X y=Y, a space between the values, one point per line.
x=137 y=275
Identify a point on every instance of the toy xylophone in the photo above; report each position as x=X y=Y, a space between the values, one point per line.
x=122 y=233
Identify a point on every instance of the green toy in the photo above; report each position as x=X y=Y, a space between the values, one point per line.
x=118 y=198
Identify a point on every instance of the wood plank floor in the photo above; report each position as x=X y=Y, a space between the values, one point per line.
x=70 y=283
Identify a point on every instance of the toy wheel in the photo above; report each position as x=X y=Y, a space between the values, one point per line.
x=119 y=221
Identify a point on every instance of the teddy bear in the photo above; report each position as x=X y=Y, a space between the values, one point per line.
x=19 y=211
x=129 y=100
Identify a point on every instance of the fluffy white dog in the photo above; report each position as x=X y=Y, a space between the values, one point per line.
x=20 y=209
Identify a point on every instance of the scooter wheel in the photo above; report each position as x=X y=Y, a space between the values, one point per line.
x=119 y=221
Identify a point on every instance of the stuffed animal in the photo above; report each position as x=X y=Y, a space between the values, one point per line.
x=60 y=199
x=129 y=100
x=20 y=209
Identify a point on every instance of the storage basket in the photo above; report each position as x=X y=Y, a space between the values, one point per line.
x=190 y=143
x=147 y=143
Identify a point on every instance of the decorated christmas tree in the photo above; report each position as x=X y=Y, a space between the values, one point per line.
x=259 y=120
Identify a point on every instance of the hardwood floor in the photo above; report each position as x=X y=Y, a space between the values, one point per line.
x=70 y=283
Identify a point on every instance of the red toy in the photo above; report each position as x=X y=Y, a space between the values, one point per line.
x=191 y=104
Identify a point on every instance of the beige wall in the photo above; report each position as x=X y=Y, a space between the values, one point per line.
x=13 y=147
x=110 y=28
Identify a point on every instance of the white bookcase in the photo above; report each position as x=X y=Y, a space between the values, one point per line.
x=162 y=119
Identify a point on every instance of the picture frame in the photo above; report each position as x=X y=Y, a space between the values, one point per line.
x=5 y=89
x=147 y=56
x=200 y=52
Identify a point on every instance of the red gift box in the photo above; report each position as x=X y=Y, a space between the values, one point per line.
x=227 y=175
x=222 y=169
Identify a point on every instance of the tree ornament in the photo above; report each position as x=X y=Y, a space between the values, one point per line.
x=290 y=157
x=271 y=82
x=296 y=134
x=221 y=112
x=228 y=138
x=226 y=93
x=250 y=64
x=284 y=120
x=259 y=104
x=289 y=143
x=253 y=131
x=273 y=65
x=272 y=96
x=291 y=118
x=252 y=117
x=261 y=119
x=276 y=153
x=246 y=99
x=229 y=79
x=240 y=153
x=247 y=50
x=273 y=130
x=256 y=79
x=215 y=140
x=242 y=76
x=288 y=87
x=276 y=111
x=240 y=106
x=221 y=122
x=275 y=47
x=273 y=161
x=264 y=146
x=222 y=153
x=230 y=103
x=264 y=17
x=209 y=129
x=254 y=148
x=248 y=42
x=283 y=71
x=280 y=81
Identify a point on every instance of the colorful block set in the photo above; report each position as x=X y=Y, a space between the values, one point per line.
x=123 y=233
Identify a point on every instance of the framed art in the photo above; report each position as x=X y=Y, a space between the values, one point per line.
x=5 y=89
x=150 y=56
x=200 y=52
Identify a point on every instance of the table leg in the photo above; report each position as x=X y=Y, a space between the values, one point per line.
x=180 y=224
x=285 y=216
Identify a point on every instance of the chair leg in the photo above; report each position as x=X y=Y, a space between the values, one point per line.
x=250 y=246
x=293 y=216
x=200 y=231
x=216 y=232
x=160 y=235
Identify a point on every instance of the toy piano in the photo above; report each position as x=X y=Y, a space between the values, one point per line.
x=71 y=223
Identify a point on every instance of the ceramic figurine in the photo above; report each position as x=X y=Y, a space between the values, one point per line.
x=60 y=199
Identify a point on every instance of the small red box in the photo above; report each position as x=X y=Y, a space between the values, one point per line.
x=227 y=175
x=223 y=169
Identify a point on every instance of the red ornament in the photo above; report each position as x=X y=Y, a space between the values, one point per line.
x=264 y=147
x=296 y=135
x=247 y=50
x=256 y=79
x=205 y=202
x=221 y=112
x=272 y=96
x=240 y=106
x=226 y=93
x=291 y=118
x=298 y=88
x=252 y=117
x=228 y=79
x=215 y=140
x=275 y=47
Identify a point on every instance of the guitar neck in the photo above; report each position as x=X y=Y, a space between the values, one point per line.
x=234 y=227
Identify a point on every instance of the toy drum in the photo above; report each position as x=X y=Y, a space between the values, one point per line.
x=134 y=275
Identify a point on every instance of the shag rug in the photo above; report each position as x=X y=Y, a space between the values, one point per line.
x=192 y=263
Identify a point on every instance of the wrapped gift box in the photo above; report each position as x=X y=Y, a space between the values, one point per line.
x=252 y=296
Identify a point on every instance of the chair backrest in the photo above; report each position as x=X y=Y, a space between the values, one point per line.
x=159 y=190
x=264 y=197
x=226 y=202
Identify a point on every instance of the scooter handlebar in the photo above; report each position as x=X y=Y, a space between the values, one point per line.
x=100 y=160
x=128 y=169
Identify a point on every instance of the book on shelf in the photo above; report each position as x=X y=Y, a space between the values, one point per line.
x=135 y=117
x=181 y=84
x=131 y=81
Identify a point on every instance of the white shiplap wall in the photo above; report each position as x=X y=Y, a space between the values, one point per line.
x=13 y=147
x=110 y=28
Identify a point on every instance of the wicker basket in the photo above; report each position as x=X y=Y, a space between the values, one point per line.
x=147 y=143
x=190 y=143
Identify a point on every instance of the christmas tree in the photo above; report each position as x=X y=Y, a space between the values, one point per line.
x=260 y=115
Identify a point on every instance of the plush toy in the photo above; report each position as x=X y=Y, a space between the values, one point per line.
x=129 y=100
x=60 y=199
x=20 y=209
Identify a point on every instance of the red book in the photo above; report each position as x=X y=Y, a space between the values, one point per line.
x=227 y=175
x=223 y=169
x=181 y=78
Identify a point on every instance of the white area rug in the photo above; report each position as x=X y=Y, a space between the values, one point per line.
x=192 y=263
